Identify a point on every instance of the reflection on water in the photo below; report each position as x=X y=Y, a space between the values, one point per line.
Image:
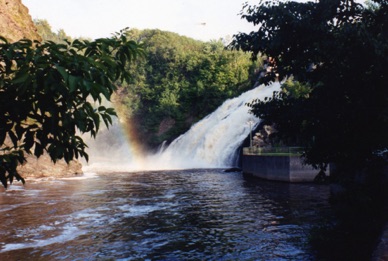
x=166 y=215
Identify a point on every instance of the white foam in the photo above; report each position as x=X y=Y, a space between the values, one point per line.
x=5 y=208
x=15 y=188
x=214 y=141
x=210 y=143
x=69 y=233
x=135 y=211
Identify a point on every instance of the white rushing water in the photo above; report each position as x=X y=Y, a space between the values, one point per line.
x=210 y=143
x=214 y=141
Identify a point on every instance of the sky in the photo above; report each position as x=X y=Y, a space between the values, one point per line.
x=199 y=19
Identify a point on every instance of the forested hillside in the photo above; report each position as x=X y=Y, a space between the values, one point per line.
x=180 y=81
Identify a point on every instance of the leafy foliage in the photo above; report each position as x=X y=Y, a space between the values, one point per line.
x=180 y=80
x=45 y=31
x=48 y=91
x=338 y=50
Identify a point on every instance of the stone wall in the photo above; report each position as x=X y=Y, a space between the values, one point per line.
x=278 y=168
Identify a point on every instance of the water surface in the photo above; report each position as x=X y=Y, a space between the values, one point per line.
x=163 y=215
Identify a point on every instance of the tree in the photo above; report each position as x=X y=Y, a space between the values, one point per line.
x=337 y=49
x=51 y=93
x=180 y=81
x=45 y=31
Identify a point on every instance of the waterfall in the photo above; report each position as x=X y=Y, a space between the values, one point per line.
x=212 y=142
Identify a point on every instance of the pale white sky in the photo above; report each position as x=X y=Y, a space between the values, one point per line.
x=101 y=18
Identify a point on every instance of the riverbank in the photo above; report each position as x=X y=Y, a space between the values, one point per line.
x=44 y=167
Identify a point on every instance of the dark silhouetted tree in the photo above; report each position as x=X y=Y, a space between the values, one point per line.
x=50 y=94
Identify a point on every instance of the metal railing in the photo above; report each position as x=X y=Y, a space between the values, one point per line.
x=273 y=151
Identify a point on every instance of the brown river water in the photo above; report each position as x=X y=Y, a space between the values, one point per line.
x=205 y=214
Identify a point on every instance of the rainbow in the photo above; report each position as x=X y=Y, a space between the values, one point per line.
x=137 y=150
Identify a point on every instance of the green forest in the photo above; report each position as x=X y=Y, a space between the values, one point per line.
x=178 y=81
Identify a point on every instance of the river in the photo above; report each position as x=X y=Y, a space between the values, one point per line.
x=203 y=214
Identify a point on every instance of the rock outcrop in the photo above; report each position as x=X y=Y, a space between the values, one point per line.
x=44 y=167
x=15 y=21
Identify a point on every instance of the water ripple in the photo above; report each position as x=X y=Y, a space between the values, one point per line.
x=169 y=215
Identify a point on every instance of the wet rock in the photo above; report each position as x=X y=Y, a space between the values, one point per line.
x=44 y=167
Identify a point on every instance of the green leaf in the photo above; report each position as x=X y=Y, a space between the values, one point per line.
x=96 y=120
x=73 y=83
x=101 y=108
x=21 y=77
x=38 y=150
x=3 y=39
x=111 y=111
x=19 y=178
x=63 y=72
x=2 y=137
x=14 y=138
x=3 y=178
x=107 y=120
x=28 y=140
x=19 y=131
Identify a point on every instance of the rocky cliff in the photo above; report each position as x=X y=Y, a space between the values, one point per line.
x=16 y=24
x=15 y=21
